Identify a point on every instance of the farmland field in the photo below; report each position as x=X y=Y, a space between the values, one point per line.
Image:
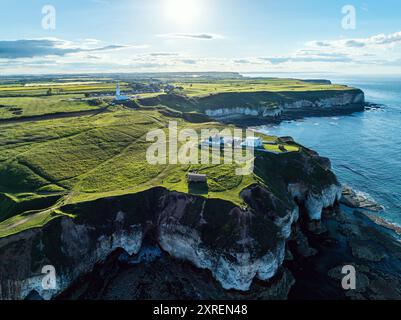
x=46 y=98
x=42 y=88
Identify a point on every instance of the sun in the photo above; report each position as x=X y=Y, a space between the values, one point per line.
x=183 y=11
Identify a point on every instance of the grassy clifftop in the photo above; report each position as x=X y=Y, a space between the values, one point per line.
x=194 y=88
x=48 y=164
x=22 y=100
x=271 y=93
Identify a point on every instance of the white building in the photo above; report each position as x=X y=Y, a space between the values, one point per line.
x=119 y=96
x=220 y=141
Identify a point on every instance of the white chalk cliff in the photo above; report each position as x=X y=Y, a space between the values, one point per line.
x=340 y=102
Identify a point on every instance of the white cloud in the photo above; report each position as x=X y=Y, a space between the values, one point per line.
x=42 y=47
x=51 y=55
x=378 y=41
x=197 y=36
x=163 y=54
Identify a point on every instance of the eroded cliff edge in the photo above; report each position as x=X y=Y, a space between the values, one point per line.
x=236 y=244
x=235 y=106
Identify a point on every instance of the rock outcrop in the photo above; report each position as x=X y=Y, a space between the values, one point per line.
x=316 y=201
x=359 y=200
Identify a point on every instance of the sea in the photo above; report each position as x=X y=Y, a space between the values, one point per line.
x=365 y=147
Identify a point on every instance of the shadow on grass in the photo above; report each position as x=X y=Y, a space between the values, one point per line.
x=198 y=188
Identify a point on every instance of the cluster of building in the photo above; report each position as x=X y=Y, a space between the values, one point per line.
x=221 y=142
x=136 y=89
x=234 y=142
x=150 y=88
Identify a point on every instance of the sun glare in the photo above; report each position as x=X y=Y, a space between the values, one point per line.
x=183 y=11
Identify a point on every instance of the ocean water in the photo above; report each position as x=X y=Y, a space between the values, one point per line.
x=365 y=147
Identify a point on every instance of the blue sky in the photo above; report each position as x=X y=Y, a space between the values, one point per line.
x=200 y=35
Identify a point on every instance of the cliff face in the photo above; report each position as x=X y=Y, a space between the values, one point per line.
x=238 y=112
x=236 y=244
x=71 y=248
x=267 y=105
x=234 y=270
x=314 y=201
x=346 y=101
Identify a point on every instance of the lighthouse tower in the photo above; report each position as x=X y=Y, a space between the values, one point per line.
x=118 y=91
x=120 y=97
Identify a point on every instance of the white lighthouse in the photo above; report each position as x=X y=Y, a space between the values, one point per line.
x=120 y=97
x=118 y=90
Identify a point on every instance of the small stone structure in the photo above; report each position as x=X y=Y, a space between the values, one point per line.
x=197 y=178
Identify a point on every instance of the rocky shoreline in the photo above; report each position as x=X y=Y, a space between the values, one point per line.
x=352 y=235
x=359 y=200
x=368 y=207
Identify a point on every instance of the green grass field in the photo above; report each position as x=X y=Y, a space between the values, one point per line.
x=32 y=99
x=201 y=95
x=203 y=88
x=47 y=164
x=64 y=161
x=20 y=107
x=58 y=88
x=46 y=98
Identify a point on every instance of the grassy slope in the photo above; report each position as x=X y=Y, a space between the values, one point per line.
x=87 y=158
x=18 y=101
x=19 y=107
x=51 y=163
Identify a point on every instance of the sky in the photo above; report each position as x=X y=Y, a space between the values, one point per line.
x=263 y=36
